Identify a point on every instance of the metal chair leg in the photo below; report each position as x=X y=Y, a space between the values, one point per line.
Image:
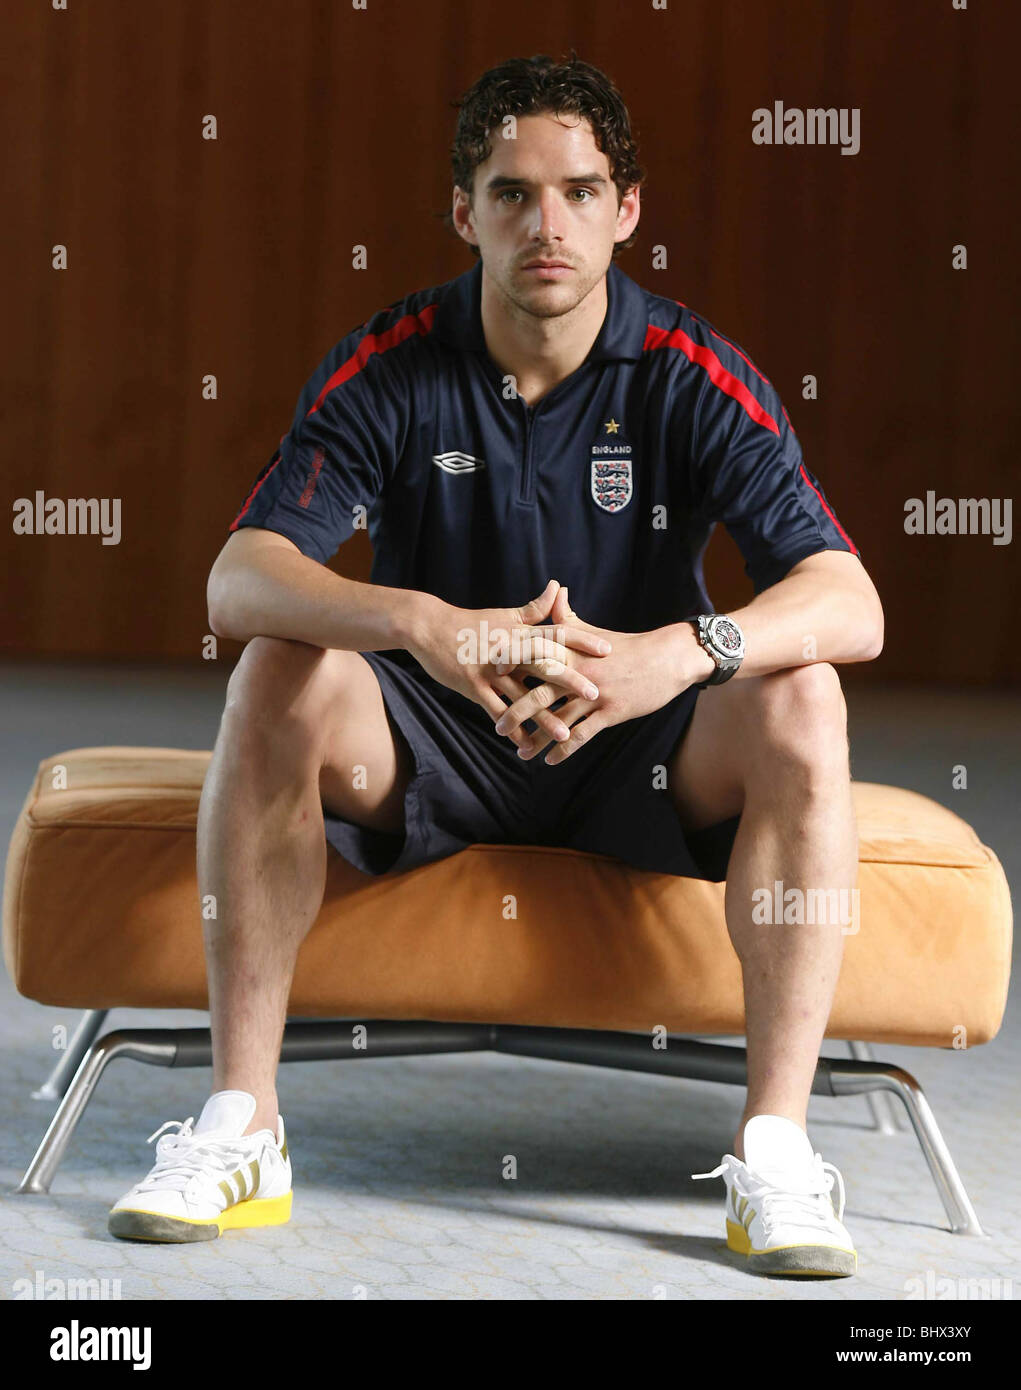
x=82 y=1039
x=192 y=1047
x=884 y=1113
x=40 y=1171
x=857 y=1078
x=712 y=1062
x=352 y=1038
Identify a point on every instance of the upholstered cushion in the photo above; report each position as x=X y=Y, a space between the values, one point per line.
x=101 y=910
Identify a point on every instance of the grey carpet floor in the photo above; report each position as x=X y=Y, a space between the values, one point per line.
x=399 y=1186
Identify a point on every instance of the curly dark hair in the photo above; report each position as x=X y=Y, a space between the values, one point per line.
x=535 y=86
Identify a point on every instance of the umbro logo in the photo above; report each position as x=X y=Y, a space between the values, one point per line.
x=454 y=461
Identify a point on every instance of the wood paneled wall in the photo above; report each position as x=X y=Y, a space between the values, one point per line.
x=189 y=257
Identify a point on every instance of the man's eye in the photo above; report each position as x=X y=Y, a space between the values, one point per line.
x=516 y=193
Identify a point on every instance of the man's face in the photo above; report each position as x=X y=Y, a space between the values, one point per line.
x=545 y=195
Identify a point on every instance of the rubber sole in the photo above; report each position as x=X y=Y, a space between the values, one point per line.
x=130 y=1223
x=821 y=1261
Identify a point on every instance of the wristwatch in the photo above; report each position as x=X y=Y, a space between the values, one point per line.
x=723 y=640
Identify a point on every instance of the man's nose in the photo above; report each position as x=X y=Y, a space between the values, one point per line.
x=546 y=226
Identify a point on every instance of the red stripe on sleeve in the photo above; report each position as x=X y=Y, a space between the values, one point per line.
x=254 y=492
x=377 y=342
x=371 y=343
x=740 y=354
x=718 y=374
x=829 y=513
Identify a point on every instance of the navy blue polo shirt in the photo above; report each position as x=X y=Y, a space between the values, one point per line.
x=611 y=484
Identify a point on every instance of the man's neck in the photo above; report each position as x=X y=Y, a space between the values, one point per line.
x=539 y=352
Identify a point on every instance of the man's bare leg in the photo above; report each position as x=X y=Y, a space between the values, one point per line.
x=774 y=748
x=297 y=720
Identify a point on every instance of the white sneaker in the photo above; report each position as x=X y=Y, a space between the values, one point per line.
x=780 y=1211
x=209 y=1179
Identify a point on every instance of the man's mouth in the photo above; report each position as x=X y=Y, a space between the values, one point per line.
x=554 y=268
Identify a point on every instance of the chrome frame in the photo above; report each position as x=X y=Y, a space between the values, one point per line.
x=82 y=1038
x=883 y=1111
x=306 y=1041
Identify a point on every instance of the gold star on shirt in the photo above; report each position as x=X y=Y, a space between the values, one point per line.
x=611 y=426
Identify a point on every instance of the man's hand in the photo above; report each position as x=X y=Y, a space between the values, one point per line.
x=644 y=672
x=463 y=648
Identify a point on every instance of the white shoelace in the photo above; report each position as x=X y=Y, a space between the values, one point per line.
x=180 y=1156
x=780 y=1203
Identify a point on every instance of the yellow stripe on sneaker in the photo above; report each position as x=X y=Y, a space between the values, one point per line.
x=260 y=1211
x=739 y=1241
x=737 y=1238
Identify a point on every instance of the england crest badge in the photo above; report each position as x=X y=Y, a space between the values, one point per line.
x=612 y=472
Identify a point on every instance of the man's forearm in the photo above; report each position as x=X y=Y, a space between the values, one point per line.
x=811 y=615
x=275 y=591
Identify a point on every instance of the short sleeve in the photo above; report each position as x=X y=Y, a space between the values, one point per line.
x=749 y=474
x=334 y=462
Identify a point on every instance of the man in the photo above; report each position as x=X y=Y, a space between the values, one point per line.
x=537 y=432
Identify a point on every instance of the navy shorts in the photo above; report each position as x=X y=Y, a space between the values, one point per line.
x=470 y=787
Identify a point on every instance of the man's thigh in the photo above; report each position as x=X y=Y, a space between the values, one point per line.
x=749 y=728
x=367 y=763
x=705 y=775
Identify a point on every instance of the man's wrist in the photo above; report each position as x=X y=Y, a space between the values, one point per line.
x=691 y=663
x=414 y=619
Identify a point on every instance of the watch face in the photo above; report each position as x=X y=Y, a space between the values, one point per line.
x=726 y=636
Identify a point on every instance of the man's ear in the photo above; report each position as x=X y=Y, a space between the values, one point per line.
x=460 y=212
x=629 y=213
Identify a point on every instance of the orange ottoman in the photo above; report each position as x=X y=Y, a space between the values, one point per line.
x=101 y=911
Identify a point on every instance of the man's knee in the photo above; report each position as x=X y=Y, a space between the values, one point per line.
x=280 y=687
x=803 y=718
